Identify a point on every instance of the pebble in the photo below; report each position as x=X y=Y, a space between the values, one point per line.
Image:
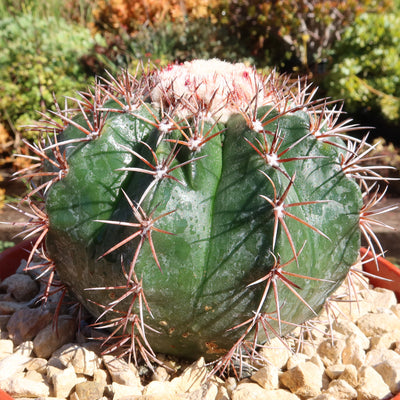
x=20 y=286
x=305 y=379
x=27 y=322
x=50 y=339
x=356 y=357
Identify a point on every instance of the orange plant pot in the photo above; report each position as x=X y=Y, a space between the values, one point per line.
x=11 y=258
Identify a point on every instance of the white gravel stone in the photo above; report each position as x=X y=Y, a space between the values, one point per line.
x=119 y=391
x=335 y=370
x=377 y=356
x=353 y=352
x=390 y=372
x=192 y=378
x=378 y=324
x=249 y=391
x=6 y=348
x=385 y=341
x=275 y=353
x=64 y=382
x=330 y=351
x=19 y=386
x=372 y=386
x=37 y=364
x=304 y=380
x=267 y=377
x=347 y=327
x=83 y=360
x=342 y=390
x=122 y=372
x=350 y=375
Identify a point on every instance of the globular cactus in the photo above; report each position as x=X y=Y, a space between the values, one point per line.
x=199 y=208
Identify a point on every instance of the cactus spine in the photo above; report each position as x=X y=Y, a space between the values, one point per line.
x=201 y=208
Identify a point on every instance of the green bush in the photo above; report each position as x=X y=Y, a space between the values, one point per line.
x=38 y=57
x=366 y=69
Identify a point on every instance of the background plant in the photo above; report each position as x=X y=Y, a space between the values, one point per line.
x=366 y=66
x=39 y=57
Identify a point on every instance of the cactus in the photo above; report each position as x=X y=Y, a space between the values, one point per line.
x=200 y=209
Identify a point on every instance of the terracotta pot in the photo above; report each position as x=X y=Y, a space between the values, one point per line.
x=11 y=258
x=384 y=269
x=5 y=396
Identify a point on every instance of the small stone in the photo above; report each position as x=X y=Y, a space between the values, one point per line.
x=305 y=379
x=160 y=387
x=64 y=382
x=207 y=391
x=83 y=360
x=385 y=341
x=353 y=352
x=231 y=384
x=335 y=370
x=120 y=391
x=192 y=378
x=296 y=359
x=37 y=364
x=330 y=351
x=342 y=390
x=308 y=349
x=21 y=387
x=161 y=374
x=24 y=349
x=267 y=377
x=21 y=286
x=122 y=372
x=11 y=365
x=347 y=328
x=379 y=298
x=10 y=307
x=35 y=376
x=390 y=372
x=377 y=356
x=275 y=353
x=6 y=348
x=89 y=390
x=350 y=375
x=372 y=386
x=396 y=309
x=100 y=376
x=52 y=371
x=247 y=391
x=51 y=338
x=27 y=322
x=325 y=396
x=378 y=324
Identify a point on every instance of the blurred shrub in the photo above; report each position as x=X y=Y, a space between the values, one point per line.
x=79 y=11
x=162 y=33
x=38 y=57
x=366 y=66
x=130 y=16
x=291 y=33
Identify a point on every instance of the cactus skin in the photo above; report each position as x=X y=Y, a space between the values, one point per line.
x=205 y=274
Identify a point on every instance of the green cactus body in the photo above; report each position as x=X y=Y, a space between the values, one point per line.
x=252 y=219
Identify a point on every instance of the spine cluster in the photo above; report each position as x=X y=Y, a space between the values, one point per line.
x=189 y=106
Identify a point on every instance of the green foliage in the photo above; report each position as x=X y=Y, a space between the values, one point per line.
x=38 y=57
x=366 y=66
